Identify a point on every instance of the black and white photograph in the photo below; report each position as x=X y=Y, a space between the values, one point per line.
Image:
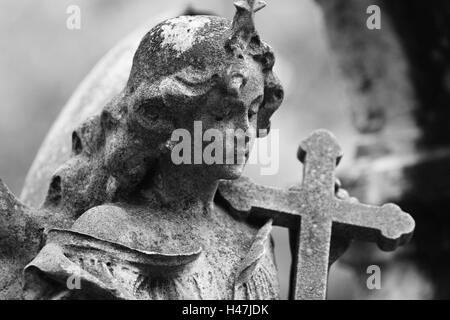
x=233 y=152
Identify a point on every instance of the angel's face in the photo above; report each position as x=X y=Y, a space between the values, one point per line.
x=228 y=125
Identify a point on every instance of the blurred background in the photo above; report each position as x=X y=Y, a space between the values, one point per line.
x=383 y=93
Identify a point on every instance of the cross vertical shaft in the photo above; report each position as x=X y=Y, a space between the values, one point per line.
x=319 y=155
x=312 y=253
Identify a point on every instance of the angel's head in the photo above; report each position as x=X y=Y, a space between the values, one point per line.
x=203 y=69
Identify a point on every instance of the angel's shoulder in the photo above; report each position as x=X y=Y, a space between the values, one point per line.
x=108 y=222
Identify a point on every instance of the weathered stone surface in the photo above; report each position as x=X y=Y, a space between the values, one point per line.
x=125 y=221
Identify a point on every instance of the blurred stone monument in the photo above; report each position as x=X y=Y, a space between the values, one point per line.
x=399 y=79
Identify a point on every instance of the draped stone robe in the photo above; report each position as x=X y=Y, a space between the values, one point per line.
x=105 y=264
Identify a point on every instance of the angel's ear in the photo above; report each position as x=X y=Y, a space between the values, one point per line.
x=87 y=137
x=54 y=193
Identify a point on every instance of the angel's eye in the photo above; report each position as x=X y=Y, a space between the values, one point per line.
x=150 y=109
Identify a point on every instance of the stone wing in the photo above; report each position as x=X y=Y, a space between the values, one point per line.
x=20 y=235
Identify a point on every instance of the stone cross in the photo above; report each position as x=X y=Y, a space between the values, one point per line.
x=312 y=210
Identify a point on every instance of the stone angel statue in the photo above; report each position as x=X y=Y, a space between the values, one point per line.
x=120 y=220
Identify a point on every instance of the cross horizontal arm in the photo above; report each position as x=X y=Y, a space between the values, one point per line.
x=244 y=197
x=387 y=225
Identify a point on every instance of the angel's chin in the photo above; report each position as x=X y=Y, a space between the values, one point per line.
x=231 y=171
